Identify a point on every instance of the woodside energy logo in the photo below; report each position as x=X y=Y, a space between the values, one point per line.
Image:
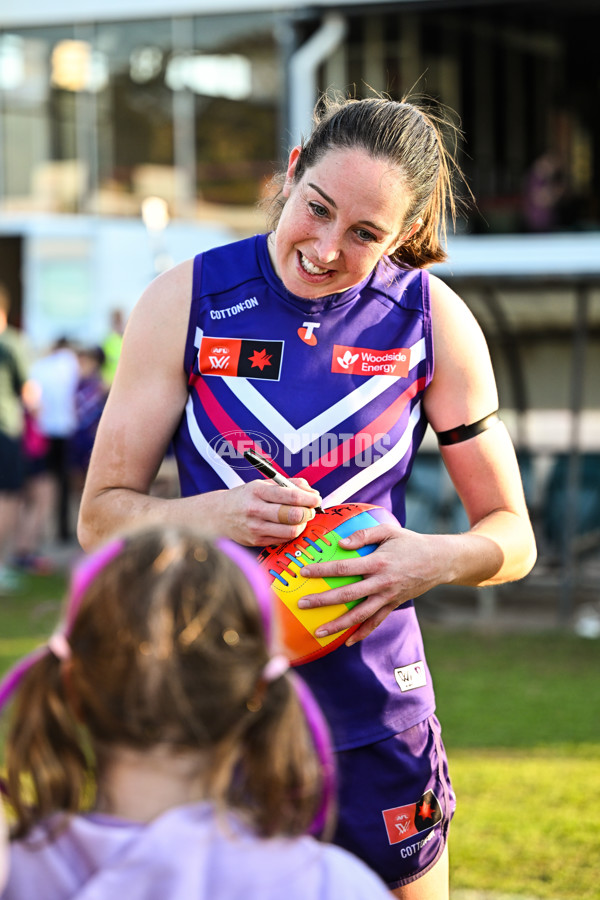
x=364 y=361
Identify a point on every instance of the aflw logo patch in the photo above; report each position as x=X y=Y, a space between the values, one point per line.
x=410 y=677
x=404 y=822
x=240 y=358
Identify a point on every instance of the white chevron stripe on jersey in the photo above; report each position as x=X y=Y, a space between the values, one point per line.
x=383 y=464
x=295 y=439
x=418 y=352
x=228 y=475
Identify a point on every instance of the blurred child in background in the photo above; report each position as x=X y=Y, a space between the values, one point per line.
x=90 y=397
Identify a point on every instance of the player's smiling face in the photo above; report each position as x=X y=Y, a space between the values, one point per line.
x=339 y=219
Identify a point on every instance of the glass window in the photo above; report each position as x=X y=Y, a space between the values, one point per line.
x=236 y=136
x=525 y=91
x=135 y=116
x=40 y=164
x=98 y=118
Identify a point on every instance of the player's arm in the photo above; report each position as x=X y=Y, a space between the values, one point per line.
x=144 y=407
x=500 y=545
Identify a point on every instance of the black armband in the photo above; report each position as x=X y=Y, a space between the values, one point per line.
x=464 y=432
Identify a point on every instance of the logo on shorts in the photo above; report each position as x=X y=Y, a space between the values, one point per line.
x=410 y=677
x=404 y=822
x=240 y=357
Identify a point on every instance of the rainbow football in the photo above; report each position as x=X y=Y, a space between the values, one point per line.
x=319 y=542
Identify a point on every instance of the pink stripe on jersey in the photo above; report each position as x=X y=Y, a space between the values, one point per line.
x=223 y=422
x=367 y=436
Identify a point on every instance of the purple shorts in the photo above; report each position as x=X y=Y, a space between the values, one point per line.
x=395 y=803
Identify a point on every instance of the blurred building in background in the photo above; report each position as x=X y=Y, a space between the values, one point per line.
x=134 y=133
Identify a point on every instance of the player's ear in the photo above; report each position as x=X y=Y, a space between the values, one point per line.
x=406 y=236
x=291 y=170
x=412 y=230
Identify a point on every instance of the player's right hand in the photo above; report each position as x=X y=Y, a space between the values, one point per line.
x=261 y=513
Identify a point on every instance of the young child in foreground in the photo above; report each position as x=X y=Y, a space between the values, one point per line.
x=157 y=749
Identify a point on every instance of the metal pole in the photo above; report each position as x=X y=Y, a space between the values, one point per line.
x=285 y=35
x=569 y=569
x=512 y=349
x=86 y=127
x=184 y=136
x=303 y=72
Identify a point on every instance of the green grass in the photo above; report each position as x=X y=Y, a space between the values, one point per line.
x=527 y=823
x=521 y=724
x=28 y=617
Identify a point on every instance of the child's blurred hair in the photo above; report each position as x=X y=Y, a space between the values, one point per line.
x=165 y=641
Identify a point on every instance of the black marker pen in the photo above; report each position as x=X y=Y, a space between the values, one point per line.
x=265 y=468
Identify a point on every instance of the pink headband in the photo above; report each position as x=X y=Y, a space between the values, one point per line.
x=58 y=643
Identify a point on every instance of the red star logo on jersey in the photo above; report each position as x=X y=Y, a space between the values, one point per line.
x=260 y=359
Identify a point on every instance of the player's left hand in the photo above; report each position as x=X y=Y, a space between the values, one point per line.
x=404 y=566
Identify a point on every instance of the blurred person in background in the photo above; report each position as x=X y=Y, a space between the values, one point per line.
x=90 y=397
x=112 y=346
x=56 y=376
x=545 y=194
x=37 y=495
x=39 y=492
x=13 y=376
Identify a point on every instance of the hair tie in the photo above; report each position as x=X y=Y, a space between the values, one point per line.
x=59 y=646
x=275 y=668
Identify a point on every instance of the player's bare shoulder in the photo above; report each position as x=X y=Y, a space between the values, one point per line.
x=167 y=298
x=463 y=386
x=448 y=309
x=159 y=321
x=456 y=331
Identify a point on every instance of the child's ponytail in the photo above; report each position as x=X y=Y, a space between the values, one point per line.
x=45 y=760
x=286 y=777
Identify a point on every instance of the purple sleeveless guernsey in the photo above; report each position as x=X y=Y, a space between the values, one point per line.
x=330 y=390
